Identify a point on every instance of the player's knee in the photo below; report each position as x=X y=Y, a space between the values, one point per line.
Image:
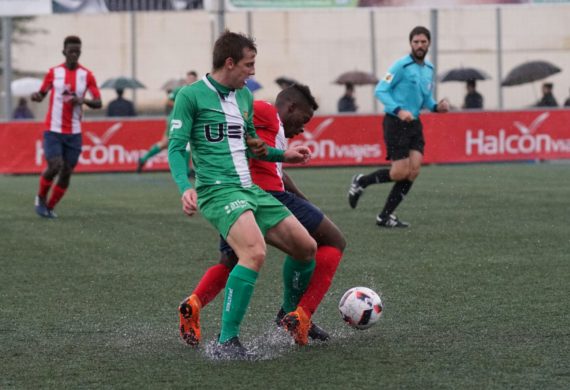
x=257 y=255
x=400 y=174
x=307 y=250
x=54 y=165
x=414 y=173
x=340 y=243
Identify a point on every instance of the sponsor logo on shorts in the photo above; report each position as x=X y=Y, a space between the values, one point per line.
x=235 y=205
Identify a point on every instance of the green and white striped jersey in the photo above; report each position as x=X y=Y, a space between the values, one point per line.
x=215 y=120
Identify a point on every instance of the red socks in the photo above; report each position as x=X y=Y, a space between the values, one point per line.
x=327 y=259
x=212 y=282
x=56 y=195
x=45 y=185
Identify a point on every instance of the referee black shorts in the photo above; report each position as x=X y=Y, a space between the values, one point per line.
x=401 y=137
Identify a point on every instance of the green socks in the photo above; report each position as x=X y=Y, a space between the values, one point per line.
x=296 y=277
x=153 y=151
x=239 y=289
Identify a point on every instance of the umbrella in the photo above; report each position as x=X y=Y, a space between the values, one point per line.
x=122 y=83
x=463 y=74
x=285 y=82
x=357 y=78
x=25 y=86
x=173 y=84
x=529 y=72
x=252 y=84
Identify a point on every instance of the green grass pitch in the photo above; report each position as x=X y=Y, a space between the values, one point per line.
x=476 y=291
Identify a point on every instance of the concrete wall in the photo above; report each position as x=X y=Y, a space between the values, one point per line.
x=312 y=46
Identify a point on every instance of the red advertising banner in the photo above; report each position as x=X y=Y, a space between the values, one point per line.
x=336 y=140
x=108 y=146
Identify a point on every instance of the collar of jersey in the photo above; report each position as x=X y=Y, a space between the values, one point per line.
x=221 y=89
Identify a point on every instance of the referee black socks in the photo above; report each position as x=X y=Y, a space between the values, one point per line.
x=376 y=177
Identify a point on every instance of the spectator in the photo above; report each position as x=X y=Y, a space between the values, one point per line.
x=548 y=99
x=473 y=99
x=22 y=111
x=347 y=102
x=121 y=106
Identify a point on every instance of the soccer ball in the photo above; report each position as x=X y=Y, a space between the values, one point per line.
x=360 y=307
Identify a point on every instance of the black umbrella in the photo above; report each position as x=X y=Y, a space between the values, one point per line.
x=463 y=74
x=122 y=83
x=529 y=72
x=356 y=77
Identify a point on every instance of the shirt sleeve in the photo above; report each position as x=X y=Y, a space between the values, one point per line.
x=48 y=82
x=92 y=87
x=429 y=101
x=385 y=87
x=178 y=164
x=179 y=130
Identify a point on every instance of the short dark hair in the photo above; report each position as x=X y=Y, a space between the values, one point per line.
x=299 y=93
x=192 y=73
x=231 y=45
x=419 y=30
x=71 y=39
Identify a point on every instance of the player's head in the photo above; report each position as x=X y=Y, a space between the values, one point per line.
x=296 y=106
x=234 y=54
x=71 y=50
x=191 y=77
x=420 y=39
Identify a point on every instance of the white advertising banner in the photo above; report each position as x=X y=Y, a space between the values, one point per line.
x=25 y=7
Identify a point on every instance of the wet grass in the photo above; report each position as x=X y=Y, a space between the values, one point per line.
x=476 y=290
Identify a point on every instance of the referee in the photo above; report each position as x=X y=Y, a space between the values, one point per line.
x=406 y=89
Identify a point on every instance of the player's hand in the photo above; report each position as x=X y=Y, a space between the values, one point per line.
x=297 y=155
x=443 y=106
x=257 y=146
x=77 y=100
x=190 y=202
x=37 y=97
x=406 y=116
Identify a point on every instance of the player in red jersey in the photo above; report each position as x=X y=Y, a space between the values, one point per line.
x=68 y=83
x=293 y=108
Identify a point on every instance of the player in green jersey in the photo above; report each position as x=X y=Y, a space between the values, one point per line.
x=158 y=147
x=215 y=116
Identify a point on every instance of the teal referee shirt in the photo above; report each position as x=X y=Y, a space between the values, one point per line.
x=407 y=86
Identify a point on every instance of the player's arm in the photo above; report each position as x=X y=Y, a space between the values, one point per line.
x=430 y=104
x=95 y=101
x=179 y=128
x=44 y=89
x=292 y=187
x=257 y=147
x=384 y=88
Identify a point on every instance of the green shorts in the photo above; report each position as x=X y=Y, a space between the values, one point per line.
x=222 y=206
